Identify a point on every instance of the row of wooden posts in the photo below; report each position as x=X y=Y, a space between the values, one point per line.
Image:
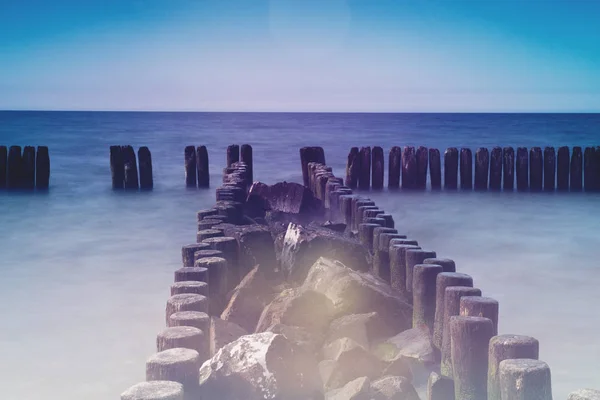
x=197 y=166
x=476 y=362
x=124 y=168
x=26 y=169
x=536 y=170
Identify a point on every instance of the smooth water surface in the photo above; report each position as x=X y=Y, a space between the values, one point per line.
x=85 y=271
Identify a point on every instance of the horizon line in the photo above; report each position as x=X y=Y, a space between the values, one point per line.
x=296 y=112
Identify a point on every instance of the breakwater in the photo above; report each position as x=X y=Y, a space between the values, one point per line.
x=391 y=296
x=24 y=168
x=497 y=169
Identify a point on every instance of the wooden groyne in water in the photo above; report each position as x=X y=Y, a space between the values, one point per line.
x=312 y=292
x=496 y=169
x=24 y=168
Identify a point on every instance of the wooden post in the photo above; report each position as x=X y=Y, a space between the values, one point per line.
x=589 y=179
x=190 y=166
x=28 y=167
x=189 y=287
x=361 y=213
x=536 y=169
x=207 y=233
x=195 y=319
x=415 y=257
x=447 y=264
x=157 y=390
x=308 y=155
x=378 y=165
x=522 y=169
x=188 y=251
x=346 y=209
x=130 y=166
x=466 y=169
x=145 y=166
x=191 y=274
x=14 y=170
x=398 y=266
x=549 y=169
x=562 y=173
x=508 y=168
x=220 y=280
x=395 y=164
x=443 y=281
x=353 y=168
x=230 y=248
x=482 y=166
x=186 y=337
x=576 y=169
x=524 y=379
x=233 y=154
x=381 y=258
x=355 y=211
x=597 y=169
x=506 y=347
x=175 y=365
x=364 y=178
x=477 y=306
x=422 y=156
x=42 y=168
x=202 y=168
x=389 y=220
x=117 y=167
x=435 y=169
x=3 y=162
x=424 y=280
x=186 y=302
x=409 y=168
x=247 y=158
x=469 y=352
x=451 y=168
x=365 y=234
x=496 y=169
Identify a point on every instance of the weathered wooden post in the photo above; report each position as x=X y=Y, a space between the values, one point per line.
x=202 y=167
x=190 y=166
x=131 y=170
x=188 y=251
x=230 y=248
x=451 y=168
x=175 y=365
x=3 y=163
x=469 y=352
x=233 y=154
x=28 y=167
x=443 y=281
x=196 y=319
x=477 y=306
x=206 y=213
x=508 y=168
x=156 y=390
x=395 y=164
x=466 y=169
x=562 y=172
x=422 y=156
x=549 y=169
x=117 y=167
x=589 y=173
x=191 y=274
x=42 y=168
x=536 y=169
x=353 y=168
x=364 y=178
x=389 y=220
x=14 y=170
x=451 y=309
x=447 y=264
x=398 y=266
x=207 y=233
x=524 y=379
x=576 y=169
x=186 y=302
x=440 y=387
x=381 y=268
x=482 y=166
x=359 y=202
x=415 y=257
x=424 y=279
x=522 y=169
x=145 y=166
x=409 y=168
x=365 y=233
x=506 y=347
x=187 y=337
x=435 y=169
x=247 y=158
x=378 y=165
x=307 y=155
x=189 y=287
x=496 y=169
x=346 y=209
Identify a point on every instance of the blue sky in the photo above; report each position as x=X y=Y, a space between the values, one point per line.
x=301 y=55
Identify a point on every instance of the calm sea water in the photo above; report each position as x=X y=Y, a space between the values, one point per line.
x=85 y=272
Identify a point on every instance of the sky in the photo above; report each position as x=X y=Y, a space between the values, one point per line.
x=301 y=55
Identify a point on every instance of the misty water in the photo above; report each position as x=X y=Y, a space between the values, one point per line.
x=85 y=271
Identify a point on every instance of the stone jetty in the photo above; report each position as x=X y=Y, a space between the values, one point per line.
x=311 y=292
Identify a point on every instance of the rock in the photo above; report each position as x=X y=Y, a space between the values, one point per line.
x=288 y=197
x=362 y=328
x=310 y=342
x=358 y=389
x=440 y=387
x=261 y=366
x=222 y=333
x=305 y=308
x=248 y=300
x=155 y=390
x=256 y=247
x=302 y=247
x=256 y=204
x=393 y=388
x=354 y=292
x=413 y=344
x=585 y=394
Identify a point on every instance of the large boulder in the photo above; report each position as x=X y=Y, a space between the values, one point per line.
x=222 y=333
x=256 y=247
x=303 y=246
x=358 y=389
x=365 y=329
x=311 y=342
x=305 y=308
x=413 y=344
x=354 y=292
x=288 y=197
x=393 y=388
x=261 y=366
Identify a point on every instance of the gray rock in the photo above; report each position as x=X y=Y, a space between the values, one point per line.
x=413 y=344
x=365 y=329
x=393 y=388
x=310 y=342
x=222 y=333
x=358 y=389
x=155 y=390
x=585 y=394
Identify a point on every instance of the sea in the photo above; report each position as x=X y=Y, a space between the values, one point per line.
x=85 y=271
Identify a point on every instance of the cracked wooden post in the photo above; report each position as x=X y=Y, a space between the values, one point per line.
x=189 y=159
x=202 y=167
x=247 y=158
x=3 y=164
x=176 y=365
x=145 y=166
x=394 y=166
x=508 y=168
x=451 y=168
x=131 y=170
x=352 y=168
x=42 y=168
x=364 y=178
x=496 y=169
x=524 y=379
x=233 y=154
x=422 y=156
x=482 y=167
x=435 y=169
x=443 y=281
x=14 y=168
x=506 y=347
x=562 y=169
x=469 y=352
x=549 y=169
x=466 y=169
x=377 y=170
x=575 y=170
x=536 y=169
x=522 y=169
x=424 y=280
x=28 y=168
x=155 y=390
x=409 y=168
